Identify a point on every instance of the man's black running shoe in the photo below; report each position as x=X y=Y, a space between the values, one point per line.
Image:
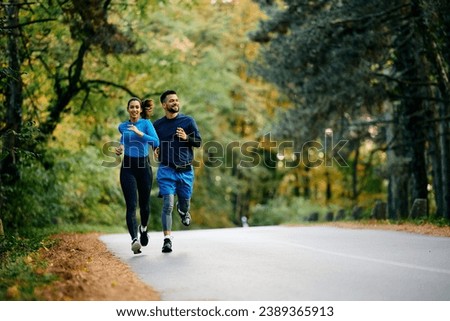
x=185 y=217
x=167 y=246
x=144 y=236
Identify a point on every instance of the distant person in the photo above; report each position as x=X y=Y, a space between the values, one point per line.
x=178 y=134
x=244 y=221
x=135 y=173
x=148 y=107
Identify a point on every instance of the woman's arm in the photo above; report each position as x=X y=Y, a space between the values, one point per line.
x=150 y=135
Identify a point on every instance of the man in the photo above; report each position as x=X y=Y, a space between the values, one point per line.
x=178 y=135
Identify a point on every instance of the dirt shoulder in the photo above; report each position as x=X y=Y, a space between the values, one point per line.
x=425 y=229
x=87 y=271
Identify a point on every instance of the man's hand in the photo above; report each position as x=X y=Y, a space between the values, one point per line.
x=181 y=133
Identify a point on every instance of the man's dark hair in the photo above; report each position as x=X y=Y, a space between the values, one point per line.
x=165 y=94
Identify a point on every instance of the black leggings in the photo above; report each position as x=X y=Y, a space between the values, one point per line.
x=136 y=178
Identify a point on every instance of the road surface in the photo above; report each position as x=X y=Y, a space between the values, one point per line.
x=292 y=264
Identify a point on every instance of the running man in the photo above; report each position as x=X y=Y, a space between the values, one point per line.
x=178 y=135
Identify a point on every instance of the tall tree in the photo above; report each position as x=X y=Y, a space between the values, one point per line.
x=34 y=47
x=12 y=90
x=434 y=25
x=334 y=58
x=45 y=48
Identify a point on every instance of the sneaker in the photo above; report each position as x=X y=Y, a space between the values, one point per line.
x=167 y=246
x=185 y=217
x=136 y=246
x=144 y=236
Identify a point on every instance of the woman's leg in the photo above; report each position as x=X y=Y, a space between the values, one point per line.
x=144 y=185
x=128 y=184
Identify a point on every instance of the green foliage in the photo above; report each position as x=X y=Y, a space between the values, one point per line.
x=324 y=56
x=286 y=211
x=211 y=203
x=25 y=137
x=91 y=191
x=32 y=198
x=33 y=201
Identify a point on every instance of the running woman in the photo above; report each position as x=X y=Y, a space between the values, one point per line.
x=135 y=173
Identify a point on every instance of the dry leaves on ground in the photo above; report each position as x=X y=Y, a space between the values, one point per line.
x=87 y=271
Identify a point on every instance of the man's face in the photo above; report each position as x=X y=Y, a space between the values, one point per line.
x=172 y=104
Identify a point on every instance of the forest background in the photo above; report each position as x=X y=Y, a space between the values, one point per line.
x=308 y=110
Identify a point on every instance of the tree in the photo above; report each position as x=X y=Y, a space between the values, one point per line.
x=335 y=58
x=12 y=90
x=433 y=25
x=46 y=47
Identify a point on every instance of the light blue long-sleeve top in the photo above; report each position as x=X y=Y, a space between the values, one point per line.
x=134 y=145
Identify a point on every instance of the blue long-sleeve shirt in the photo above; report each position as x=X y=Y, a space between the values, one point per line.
x=174 y=150
x=134 y=145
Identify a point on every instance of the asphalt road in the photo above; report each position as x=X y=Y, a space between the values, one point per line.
x=292 y=264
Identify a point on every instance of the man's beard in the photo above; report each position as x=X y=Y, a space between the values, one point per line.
x=173 y=110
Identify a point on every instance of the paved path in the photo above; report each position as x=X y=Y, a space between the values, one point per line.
x=292 y=263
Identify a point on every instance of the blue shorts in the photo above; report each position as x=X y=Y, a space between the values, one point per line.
x=172 y=182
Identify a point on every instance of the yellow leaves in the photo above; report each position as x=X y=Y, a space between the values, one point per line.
x=28 y=259
x=374 y=67
x=13 y=292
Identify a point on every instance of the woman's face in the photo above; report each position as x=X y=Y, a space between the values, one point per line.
x=134 y=109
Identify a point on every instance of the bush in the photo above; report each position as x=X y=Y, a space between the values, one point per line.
x=33 y=201
x=287 y=210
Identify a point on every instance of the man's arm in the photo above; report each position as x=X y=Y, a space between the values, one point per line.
x=194 y=139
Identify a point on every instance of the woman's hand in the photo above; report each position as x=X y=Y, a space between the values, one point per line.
x=119 y=150
x=135 y=130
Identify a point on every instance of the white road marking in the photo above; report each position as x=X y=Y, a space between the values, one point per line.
x=369 y=259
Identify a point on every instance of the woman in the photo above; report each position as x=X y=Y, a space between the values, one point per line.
x=147 y=108
x=135 y=173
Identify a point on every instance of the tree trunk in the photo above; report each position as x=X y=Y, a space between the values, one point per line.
x=434 y=155
x=328 y=191
x=307 y=183
x=355 y=175
x=410 y=132
x=8 y=166
x=445 y=161
x=398 y=171
x=439 y=69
